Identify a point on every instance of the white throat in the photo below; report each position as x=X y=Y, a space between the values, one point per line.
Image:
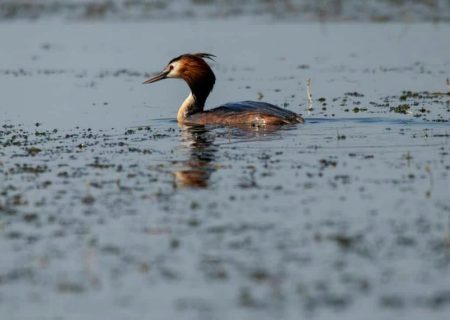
x=187 y=104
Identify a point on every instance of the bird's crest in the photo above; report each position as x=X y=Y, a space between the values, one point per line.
x=201 y=55
x=204 y=55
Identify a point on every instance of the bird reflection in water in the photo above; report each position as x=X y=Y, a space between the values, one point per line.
x=198 y=140
x=198 y=168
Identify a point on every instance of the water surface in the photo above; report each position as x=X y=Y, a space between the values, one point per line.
x=109 y=209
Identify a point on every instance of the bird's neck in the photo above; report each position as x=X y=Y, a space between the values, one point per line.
x=195 y=101
x=188 y=107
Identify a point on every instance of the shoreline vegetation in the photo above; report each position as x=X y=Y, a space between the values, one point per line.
x=291 y=10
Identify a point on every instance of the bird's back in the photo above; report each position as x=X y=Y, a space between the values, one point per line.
x=253 y=113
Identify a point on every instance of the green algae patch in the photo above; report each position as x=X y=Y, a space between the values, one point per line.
x=402 y=108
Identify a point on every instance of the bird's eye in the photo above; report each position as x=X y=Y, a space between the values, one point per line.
x=171 y=67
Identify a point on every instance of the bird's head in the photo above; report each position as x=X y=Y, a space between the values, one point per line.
x=192 y=68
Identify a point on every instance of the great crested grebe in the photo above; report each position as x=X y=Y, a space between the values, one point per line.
x=193 y=69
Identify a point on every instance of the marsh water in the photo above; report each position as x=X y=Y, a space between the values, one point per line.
x=110 y=210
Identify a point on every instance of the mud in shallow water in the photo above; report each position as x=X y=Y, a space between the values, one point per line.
x=108 y=209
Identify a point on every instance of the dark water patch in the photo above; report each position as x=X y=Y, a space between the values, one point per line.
x=18 y=274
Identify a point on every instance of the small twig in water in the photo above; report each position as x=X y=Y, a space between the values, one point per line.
x=408 y=157
x=308 y=92
x=340 y=137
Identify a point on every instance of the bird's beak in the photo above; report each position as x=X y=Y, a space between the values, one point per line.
x=158 y=77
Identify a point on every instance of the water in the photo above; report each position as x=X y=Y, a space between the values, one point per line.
x=109 y=209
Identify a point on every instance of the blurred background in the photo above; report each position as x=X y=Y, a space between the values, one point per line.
x=299 y=10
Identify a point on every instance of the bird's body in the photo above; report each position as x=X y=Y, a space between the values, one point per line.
x=196 y=72
x=245 y=113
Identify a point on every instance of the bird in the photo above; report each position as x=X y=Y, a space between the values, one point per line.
x=196 y=72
